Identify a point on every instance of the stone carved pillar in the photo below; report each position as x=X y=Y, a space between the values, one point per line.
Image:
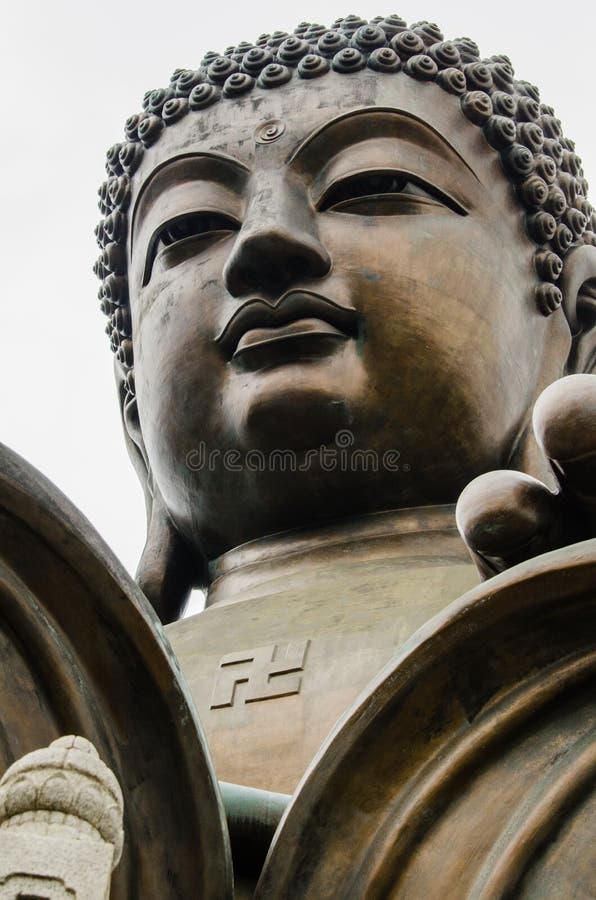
x=60 y=824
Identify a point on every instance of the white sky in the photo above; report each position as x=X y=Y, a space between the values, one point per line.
x=72 y=72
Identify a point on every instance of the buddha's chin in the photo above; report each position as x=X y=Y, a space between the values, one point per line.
x=295 y=406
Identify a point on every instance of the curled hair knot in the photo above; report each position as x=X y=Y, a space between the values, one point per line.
x=571 y=163
x=478 y=77
x=575 y=221
x=114 y=259
x=528 y=110
x=584 y=207
x=124 y=354
x=392 y=25
x=502 y=75
x=350 y=25
x=276 y=39
x=114 y=227
x=255 y=60
x=202 y=95
x=174 y=109
x=237 y=83
x=115 y=290
x=569 y=185
x=348 y=60
x=445 y=54
x=421 y=66
x=554 y=149
x=518 y=162
x=548 y=298
x=113 y=164
x=384 y=59
x=548 y=265
x=533 y=192
x=221 y=69
x=100 y=234
x=241 y=50
x=131 y=127
x=562 y=239
x=452 y=80
x=368 y=38
x=530 y=135
x=541 y=226
x=545 y=167
x=407 y=44
x=291 y=51
x=313 y=33
x=477 y=107
x=208 y=58
x=550 y=126
x=311 y=66
x=331 y=43
x=150 y=129
x=273 y=75
x=529 y=90
x=499 y=132
x=187 y=79
x=468 y=49
x=555 y=203
x=504 y=104
x=428 y=31
x=119 y=192
x=156 y=100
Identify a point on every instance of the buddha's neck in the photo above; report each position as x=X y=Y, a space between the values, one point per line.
x=362 y=554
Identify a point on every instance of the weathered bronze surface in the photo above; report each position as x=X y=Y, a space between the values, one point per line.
x=350 y=277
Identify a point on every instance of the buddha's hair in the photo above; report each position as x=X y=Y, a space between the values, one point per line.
x=541 y=164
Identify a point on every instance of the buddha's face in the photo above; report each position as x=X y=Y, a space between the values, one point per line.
x=342 y=255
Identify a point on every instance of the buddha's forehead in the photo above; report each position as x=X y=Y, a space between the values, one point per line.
x=238 y=127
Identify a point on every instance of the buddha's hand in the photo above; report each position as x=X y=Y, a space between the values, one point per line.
x=506 y=517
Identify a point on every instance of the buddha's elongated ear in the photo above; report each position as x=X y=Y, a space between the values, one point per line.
x=133 y=437
x=168 y=569
x=578 y=286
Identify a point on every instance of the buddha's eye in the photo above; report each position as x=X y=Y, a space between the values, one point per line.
x=185 y=235
x=385 y=194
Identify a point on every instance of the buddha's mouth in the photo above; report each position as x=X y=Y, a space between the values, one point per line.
x=299 y=323
x=303 y=339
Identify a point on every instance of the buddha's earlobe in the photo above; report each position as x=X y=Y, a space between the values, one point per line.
x=167 y=570
x=133 y=437
x=578 y=286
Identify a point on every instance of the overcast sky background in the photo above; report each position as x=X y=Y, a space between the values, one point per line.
x=71 y=74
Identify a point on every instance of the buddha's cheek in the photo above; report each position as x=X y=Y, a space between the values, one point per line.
x=450 y=329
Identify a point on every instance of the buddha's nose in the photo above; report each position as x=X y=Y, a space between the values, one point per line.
x=278 y=244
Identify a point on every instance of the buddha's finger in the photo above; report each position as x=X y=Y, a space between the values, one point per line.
x=506 y=517
x=565 y=428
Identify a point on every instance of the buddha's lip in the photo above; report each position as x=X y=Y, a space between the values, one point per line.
x=290 y=307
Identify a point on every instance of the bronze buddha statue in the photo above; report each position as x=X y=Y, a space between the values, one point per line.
x=340 y=267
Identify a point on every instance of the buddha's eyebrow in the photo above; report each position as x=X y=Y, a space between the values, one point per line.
x=188 y=167
x=376 y=121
